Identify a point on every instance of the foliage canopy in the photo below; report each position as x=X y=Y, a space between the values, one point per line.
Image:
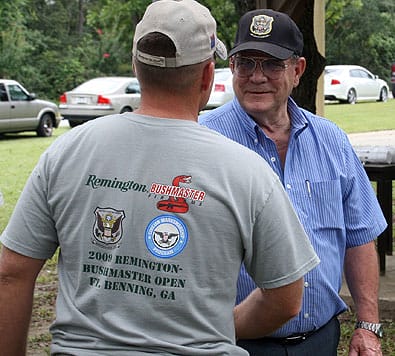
x=51 y=46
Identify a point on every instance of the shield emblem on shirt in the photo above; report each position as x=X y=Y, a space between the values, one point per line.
x=107 y=229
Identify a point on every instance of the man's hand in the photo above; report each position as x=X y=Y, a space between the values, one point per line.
x=365 y=343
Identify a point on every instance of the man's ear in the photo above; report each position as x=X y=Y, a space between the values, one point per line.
x=133 y=66
x=300 y=67
x=206 y=83
x=208 y=76
x=232 y=64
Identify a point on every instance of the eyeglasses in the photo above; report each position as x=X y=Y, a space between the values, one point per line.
x=271 y=68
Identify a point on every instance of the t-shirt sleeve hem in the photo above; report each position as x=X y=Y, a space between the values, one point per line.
x=22 y=249
x=280 y=282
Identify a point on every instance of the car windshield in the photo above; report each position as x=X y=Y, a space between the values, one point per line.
x=332 y=71
x=100 y=86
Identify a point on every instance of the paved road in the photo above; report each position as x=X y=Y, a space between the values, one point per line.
x=374 y=138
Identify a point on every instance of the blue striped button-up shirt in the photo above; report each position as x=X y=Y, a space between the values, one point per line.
x=330 y=191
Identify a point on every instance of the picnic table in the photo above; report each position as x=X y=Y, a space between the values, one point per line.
x=379 y=164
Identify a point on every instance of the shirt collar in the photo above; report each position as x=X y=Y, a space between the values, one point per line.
x=246 y=120
x=298 y=119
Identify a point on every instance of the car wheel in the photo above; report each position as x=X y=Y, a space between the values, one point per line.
x=126 y=109
x=73 y=123
x=383 y=95
x=45 y=127
x=351 y=96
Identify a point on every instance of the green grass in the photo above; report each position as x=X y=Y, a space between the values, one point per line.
x=20 y=152
x=362 y=117
x=18 y=155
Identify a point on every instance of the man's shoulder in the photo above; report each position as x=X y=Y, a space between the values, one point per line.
x=82 y=136
x=242 y=158
x=217 y=114
x=321 y=124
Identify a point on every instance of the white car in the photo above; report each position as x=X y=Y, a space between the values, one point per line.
x=352 y=83
x=98 y=97
x=22 y=111
x=222 y=90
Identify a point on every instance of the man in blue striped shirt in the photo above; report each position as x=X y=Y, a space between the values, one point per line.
x=325 y=182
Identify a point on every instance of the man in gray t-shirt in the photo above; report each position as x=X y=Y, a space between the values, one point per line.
x=153 y=215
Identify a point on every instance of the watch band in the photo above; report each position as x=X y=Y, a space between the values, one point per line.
x=375 y=328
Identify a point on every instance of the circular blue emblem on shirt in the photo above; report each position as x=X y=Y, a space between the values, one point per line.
x=166 y=236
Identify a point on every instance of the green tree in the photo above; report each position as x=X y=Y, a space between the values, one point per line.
x=363 y=35
x=61 y=51
x=13 y=41
x=226 y=14
x=52 y=45
x=334 y=9
x=114 y=23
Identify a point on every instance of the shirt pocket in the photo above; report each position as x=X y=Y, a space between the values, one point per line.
x=318 y=203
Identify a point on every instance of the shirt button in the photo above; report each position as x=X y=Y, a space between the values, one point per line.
x=273 y=159
x=256 y=141
x=306 y=284
x=288 y=186
x=306 y=315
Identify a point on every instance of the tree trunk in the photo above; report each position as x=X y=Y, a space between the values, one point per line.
x=81 y=17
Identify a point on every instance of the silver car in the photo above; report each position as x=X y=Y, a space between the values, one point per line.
x=21 y=111
x=98 y=97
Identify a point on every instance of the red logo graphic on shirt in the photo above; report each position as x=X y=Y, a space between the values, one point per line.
x=178 y=195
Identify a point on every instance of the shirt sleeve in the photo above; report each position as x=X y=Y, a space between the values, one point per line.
x=31 y=230
x=364 y=219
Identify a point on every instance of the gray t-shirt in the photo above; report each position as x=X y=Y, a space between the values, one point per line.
x=153 y=218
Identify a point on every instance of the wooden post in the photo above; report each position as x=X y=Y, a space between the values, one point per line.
x=319 y=33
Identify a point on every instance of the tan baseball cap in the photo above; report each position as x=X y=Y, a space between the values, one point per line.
x=188 y=24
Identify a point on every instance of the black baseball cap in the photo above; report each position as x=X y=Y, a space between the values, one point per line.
x=268 y=31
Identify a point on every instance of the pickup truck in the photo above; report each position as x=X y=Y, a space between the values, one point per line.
x=22 y=111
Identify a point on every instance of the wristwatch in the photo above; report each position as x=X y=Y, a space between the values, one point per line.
x=373 y=327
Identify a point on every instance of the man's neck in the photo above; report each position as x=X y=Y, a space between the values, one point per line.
x=168 y=107
x=279 y=130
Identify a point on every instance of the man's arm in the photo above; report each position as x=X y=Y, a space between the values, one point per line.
x=265 y=310
x=362 y=276
x=18 y=274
